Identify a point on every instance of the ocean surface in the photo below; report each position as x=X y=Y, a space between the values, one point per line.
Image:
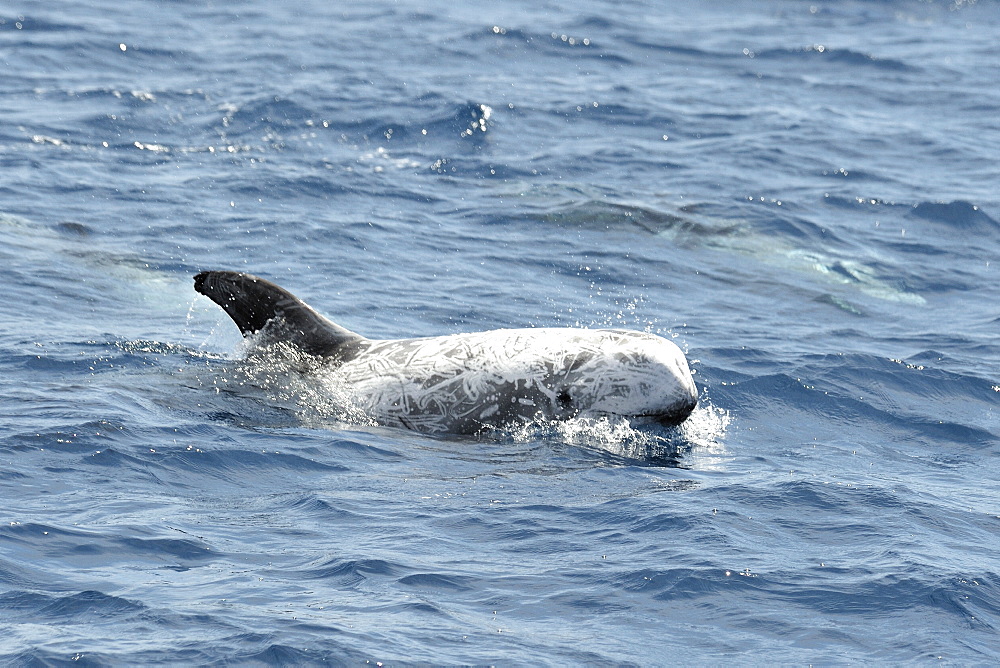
x=804 y=196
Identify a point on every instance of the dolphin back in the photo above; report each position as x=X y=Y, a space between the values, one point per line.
x=257 y=305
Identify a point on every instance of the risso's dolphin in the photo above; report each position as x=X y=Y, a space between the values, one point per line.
x=469 y=383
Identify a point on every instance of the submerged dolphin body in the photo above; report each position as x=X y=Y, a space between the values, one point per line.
x=467 y=383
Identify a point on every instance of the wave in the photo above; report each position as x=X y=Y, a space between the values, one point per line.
x=81 y=607
x=835 y=56
x=958 y=214
x=425 y=119
x=118 y=543
x=351 y=572
x=512 y=43
x=905 y=403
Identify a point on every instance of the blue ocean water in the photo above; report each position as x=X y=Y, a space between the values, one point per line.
x=803 y=195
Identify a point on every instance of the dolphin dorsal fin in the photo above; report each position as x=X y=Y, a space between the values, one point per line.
x=254 y=303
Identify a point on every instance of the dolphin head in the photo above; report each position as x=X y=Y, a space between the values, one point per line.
x=625 y=373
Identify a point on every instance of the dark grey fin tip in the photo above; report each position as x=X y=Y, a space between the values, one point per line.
x=258 y=305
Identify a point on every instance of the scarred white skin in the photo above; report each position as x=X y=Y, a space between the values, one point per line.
x=466 y=383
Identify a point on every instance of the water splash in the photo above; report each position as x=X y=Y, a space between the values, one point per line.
x=621 y=437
